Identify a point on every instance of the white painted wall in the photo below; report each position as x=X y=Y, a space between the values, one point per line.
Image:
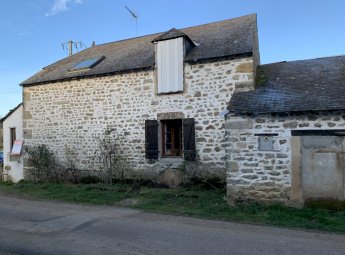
x=170 y=65
x=15 y=120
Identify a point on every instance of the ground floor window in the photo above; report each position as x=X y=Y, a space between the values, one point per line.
x=172 y=138
x=12 y=136
x=176 y=138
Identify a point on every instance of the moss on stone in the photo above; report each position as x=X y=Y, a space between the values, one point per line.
x=260 y=78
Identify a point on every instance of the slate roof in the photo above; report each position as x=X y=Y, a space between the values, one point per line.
x=220 y=39
x=298 y=86
x=171 y=34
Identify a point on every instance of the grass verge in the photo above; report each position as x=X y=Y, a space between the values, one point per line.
x=207 y=204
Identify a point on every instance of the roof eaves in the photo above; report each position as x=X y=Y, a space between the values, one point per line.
x=31 y=84
x=255 y=113
x=10 y=112
x=231 y=56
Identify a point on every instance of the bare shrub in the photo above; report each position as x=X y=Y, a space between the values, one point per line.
x=44 y=167
x=71 y=156
x=41 y=163
x=113 y=163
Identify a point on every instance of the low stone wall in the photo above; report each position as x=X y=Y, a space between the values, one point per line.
x=254 y=174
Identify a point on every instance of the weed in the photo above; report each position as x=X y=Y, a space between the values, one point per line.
x=191 y=201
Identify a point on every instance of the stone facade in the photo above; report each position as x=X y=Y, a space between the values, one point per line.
x=254 y=174
x=70 y=114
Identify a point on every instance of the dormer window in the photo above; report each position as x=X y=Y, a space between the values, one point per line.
x=170 y=65
x=86 y=64
x=171 y=47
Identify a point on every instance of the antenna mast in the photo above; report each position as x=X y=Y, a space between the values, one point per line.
x=134 y=16
x=70 y=45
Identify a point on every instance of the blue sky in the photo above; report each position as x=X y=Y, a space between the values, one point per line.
x=32 y=30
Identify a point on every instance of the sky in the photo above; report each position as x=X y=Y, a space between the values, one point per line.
x=32 y=31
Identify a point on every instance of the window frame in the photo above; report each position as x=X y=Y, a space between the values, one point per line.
x=13 y=137
x=81 y=66
x=163 y=138
x=153 y=139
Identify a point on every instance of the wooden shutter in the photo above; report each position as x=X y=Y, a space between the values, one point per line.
x=151 y=139
x=189 y=148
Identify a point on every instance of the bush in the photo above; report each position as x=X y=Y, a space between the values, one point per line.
x=205 y=183
x=44 y=167
x=42 y=163
x=89 y=179
x=324 y=203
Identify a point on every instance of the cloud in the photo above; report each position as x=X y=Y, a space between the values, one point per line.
x=24 y=33
x=61 y=5
x=6 y=24
x=13 y=29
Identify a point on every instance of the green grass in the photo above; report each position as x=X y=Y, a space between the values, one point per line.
x=208 y=204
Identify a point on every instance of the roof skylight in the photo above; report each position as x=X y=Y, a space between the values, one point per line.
x=86 y=64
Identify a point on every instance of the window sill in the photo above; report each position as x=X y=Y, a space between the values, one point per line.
x=169 y=93
x=171 y=159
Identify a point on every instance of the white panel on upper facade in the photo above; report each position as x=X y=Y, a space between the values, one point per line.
x=170 y=65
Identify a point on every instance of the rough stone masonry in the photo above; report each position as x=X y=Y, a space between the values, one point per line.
x=254 y=174
x=69 y=115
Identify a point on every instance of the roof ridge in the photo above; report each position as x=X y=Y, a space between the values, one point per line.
x=138 y=52
x=303 y=60
x=148 y=35
x=157 y=33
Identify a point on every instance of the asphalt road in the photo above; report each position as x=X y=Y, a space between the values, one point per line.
x=46 y=227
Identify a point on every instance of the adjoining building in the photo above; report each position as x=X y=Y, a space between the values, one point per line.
x=286 y=137
x=12 y=132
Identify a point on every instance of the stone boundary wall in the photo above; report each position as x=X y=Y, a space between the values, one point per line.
x=253 y=174
x=67 y=116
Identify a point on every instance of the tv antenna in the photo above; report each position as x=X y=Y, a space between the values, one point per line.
x=71 y=44
x=135 y=17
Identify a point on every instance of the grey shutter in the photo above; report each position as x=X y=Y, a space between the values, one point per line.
x=151 y=139
x=189 y=148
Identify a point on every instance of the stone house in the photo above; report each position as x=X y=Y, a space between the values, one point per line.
x=164 y=97
x=12 y=131
x=196 y=101
x=286 y=138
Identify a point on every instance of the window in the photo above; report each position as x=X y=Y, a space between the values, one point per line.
x=170 y=65
x=86 y=64
x=172 y=138
x=177 y=139
x=266 y=141
x=12 y=136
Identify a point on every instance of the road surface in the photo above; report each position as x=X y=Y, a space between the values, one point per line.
x=47 y=227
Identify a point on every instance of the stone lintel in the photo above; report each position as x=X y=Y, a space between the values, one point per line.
x=239 y=124
x=170 y=115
